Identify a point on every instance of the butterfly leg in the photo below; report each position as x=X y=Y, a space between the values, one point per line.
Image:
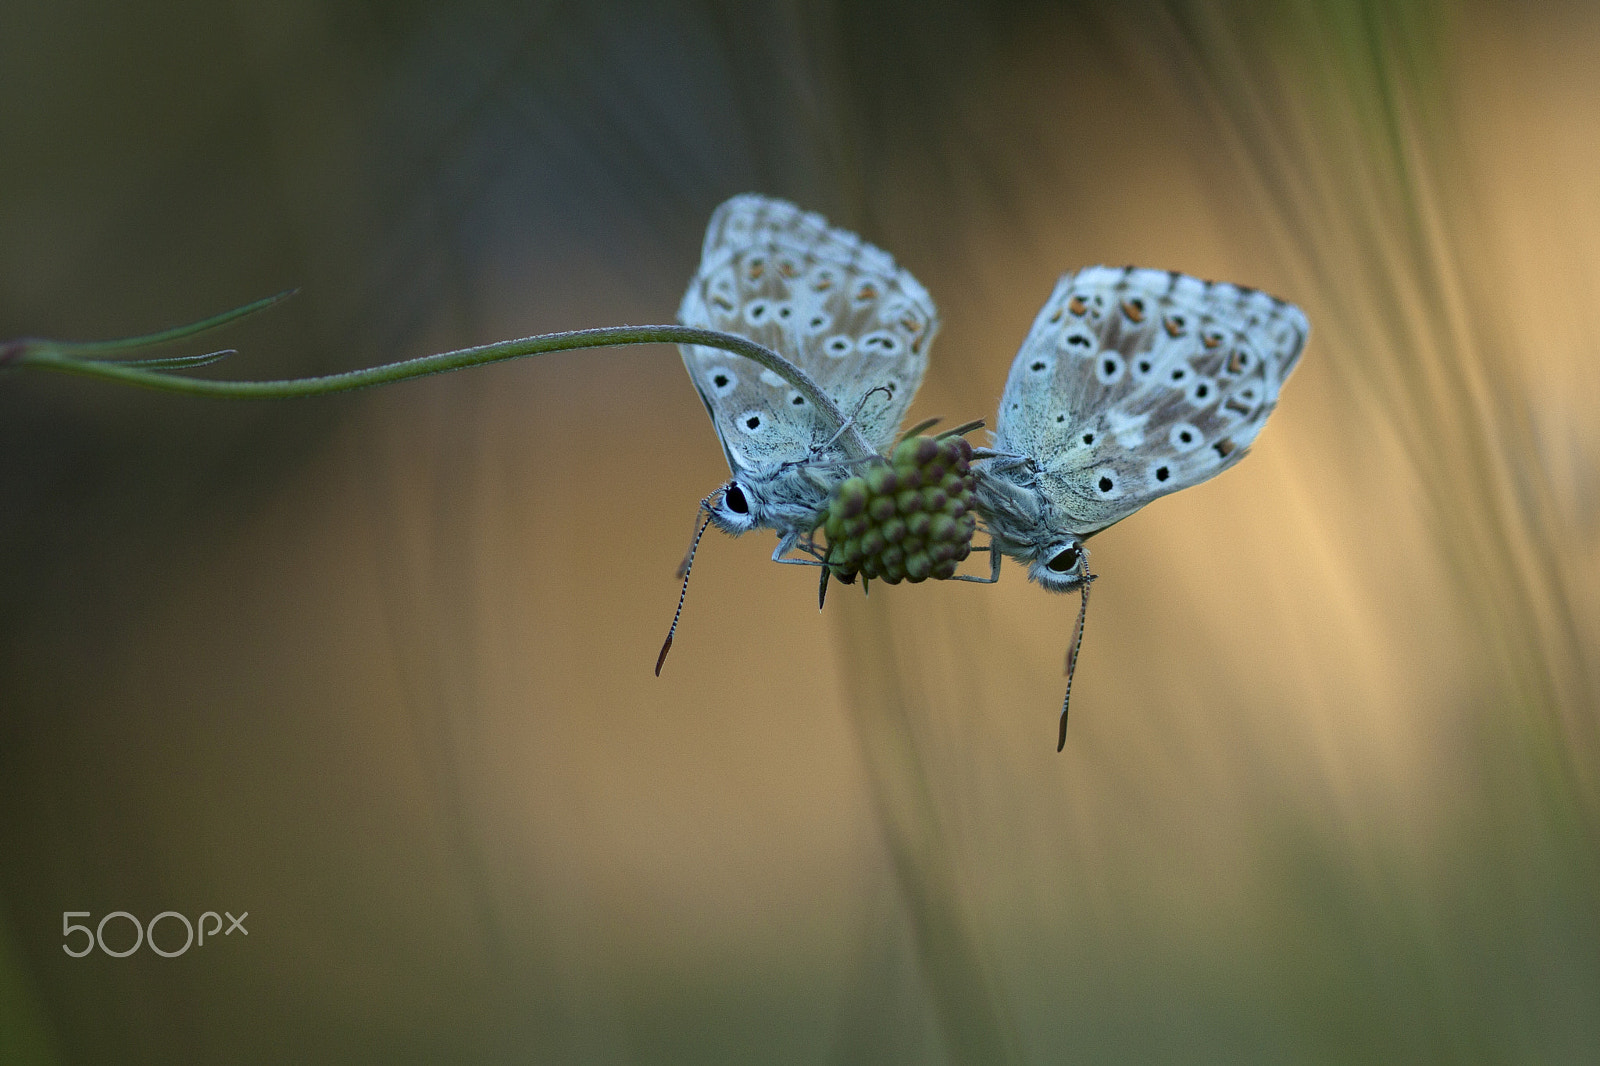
x=791 y=541
x=853 y=416
x=994 y=568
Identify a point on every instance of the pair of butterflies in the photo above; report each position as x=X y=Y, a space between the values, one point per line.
x=1131 y=384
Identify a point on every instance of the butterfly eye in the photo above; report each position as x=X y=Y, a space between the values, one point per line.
x=1064 y=561
x=734 y=500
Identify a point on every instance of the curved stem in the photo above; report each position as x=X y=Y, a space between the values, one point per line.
x=61 y=358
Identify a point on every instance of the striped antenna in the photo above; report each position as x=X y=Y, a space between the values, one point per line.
x=683 y=569
x=1085 y=578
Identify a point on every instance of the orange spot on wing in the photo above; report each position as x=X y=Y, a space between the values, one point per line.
x=1134 y=309
x=1077 y=306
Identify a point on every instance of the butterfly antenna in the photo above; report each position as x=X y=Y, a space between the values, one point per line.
x=926 y=423
x=1077 y=640
x=683 y=570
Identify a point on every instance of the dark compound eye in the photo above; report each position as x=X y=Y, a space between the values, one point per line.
x=734 y=500
x=1065 y=561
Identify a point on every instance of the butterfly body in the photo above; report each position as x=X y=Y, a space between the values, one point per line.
x=1132 y=384
x=840 y=310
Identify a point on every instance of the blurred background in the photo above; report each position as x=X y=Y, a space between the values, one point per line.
x=376 y=668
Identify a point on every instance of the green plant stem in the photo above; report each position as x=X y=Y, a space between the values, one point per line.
x=63 y=358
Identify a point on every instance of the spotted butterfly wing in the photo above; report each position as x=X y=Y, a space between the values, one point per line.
x=845 y=315
x=833 y=304
x=1130 y=385
x=1136 y=383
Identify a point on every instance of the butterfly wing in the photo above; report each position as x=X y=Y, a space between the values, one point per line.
x=1136 y=383
x=823 y=298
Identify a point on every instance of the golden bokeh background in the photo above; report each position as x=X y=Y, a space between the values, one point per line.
x=377 y=668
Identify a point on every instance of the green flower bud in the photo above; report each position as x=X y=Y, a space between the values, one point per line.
x=934 y=499
x=851 y=498
x=854 y=527
x=908 y=501
x=918 y=566
x=893 y=530
x=871 y=542
x=943 y=571
x=882 y=480
x=917 y=524
x=881 y=509
x=943 y=528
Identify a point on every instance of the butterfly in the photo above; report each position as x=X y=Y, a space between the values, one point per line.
x=839 y=309
x=1132 y=384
